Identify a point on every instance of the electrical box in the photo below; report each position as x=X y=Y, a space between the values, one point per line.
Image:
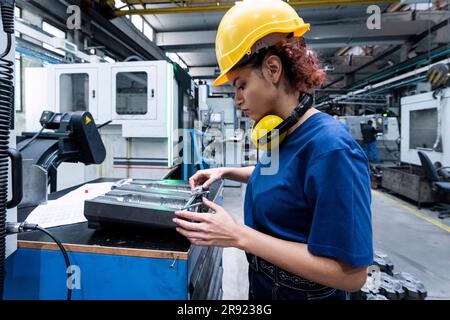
x=65 y=45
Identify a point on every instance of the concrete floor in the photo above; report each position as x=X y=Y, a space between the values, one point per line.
x=416 y=241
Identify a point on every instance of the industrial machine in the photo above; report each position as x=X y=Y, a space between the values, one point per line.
x=147 y=104
x=388 y=133
x=223 y=119
x=73 y=138
x=425 y=127
x=144 y=203
x=223 y=137
x=142 y=105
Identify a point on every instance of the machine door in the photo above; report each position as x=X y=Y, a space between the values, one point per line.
x=423 y=128
x=76 y=90
x=134 y=93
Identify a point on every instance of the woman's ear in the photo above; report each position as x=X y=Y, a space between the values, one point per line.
x=273 y=68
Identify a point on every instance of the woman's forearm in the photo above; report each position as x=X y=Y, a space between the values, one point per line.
x=295 y=258
x=238 y=174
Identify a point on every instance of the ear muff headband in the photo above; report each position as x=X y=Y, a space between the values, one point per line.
x=271 y=133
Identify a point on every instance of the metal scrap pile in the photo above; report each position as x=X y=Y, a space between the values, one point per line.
x=383 y=284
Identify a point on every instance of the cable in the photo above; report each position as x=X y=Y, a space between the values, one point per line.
x=12 y=228
x=64 y=253
x=6 y=110
x=7 y=7
x=6 y=98
x=104 y=124
x=32 y=139
x=394 y=153
x=44 y=126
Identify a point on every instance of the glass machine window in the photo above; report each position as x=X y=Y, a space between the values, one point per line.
x=422 y=129
x=131 y=93
x=74 y=92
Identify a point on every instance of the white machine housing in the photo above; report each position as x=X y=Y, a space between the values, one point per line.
x=425 y=126
x=387 y=138
x=387 y=126
x=141 y=99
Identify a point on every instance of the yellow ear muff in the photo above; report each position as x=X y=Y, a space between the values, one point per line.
x=262 y=128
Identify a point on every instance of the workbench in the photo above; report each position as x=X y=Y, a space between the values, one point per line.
x=119 y=263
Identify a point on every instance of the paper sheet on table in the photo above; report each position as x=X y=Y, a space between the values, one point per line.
x=67 y=209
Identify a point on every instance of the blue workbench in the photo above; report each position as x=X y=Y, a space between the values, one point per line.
x=120 y=264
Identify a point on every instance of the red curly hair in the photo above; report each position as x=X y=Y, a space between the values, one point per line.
x=302 y=68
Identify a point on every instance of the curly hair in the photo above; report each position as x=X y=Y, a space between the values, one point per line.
x=301 y=66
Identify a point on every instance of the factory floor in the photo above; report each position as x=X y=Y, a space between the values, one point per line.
x=416 y=241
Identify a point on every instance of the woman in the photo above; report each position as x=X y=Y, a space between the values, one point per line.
x=307 y=232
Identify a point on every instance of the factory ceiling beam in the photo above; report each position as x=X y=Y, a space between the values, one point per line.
x=206 y=48
x=212 y=72
x=413 y=41
x=313 y=44
x=203 y=72
x=146 y=49
x=182 y=2
x=208 y=6
x=187 y=38
x=321 y=36
x=103 y=31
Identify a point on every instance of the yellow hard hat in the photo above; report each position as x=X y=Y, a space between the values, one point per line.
x=246 y=23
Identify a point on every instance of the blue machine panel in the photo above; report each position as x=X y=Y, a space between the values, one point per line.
x=41 y=274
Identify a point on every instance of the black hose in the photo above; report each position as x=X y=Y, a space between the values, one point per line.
x=7 y=7
x=104 y=124
x=65 y=255
x=6 y=109
x=31 y=140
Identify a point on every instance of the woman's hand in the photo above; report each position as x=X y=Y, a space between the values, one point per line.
x=205 y=178
x=218 y=229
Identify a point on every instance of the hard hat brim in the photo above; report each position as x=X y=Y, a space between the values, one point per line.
x=221 y=80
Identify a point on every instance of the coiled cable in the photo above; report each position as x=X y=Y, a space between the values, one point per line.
x=6 y=109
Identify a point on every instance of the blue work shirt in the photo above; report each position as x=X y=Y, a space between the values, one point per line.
x=320 y=195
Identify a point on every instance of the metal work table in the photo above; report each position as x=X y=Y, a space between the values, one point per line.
x=118 y=263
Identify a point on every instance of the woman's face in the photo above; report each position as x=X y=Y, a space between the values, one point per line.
x=255 y=96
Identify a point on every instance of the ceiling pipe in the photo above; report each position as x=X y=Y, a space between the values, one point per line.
x=414 y=40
